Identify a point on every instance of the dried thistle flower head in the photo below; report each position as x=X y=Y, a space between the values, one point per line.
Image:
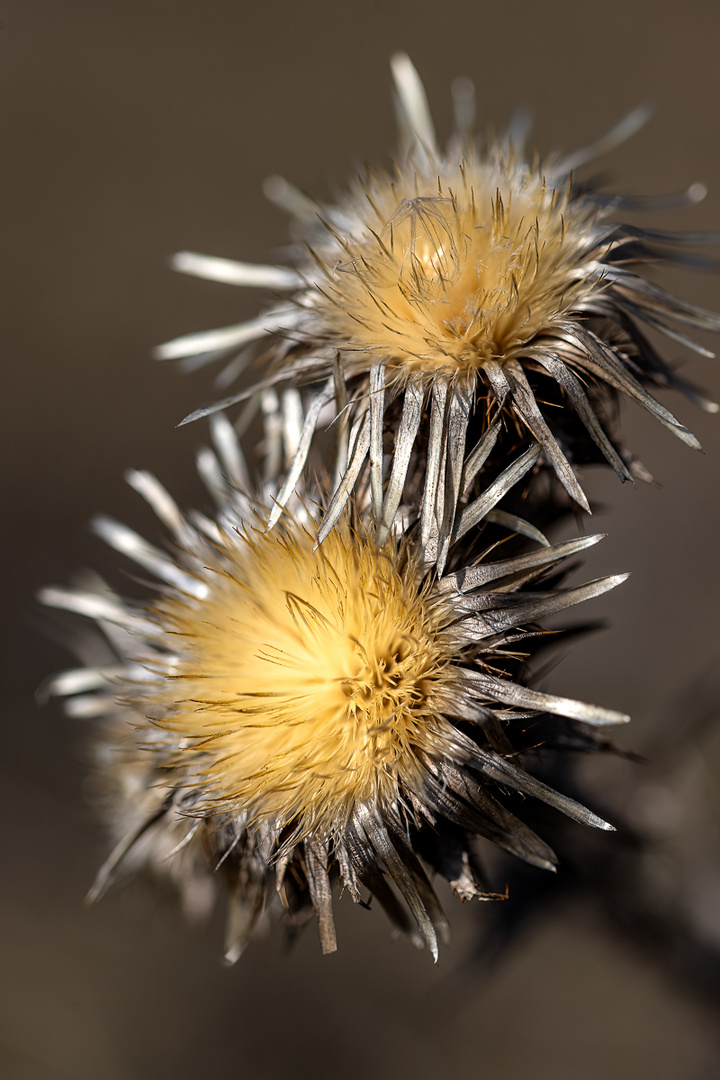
x=306 y=677
x=320 y=712
x=447 y=293
x=453 y=281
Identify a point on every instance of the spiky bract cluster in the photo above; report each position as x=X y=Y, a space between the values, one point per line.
x=320 y=707
x=436 y=298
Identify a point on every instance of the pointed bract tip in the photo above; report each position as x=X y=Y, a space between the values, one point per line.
x=596 y=822
x=50 y=597
x=697 y=192
x=197 y=414
x=640 y=115
x=400 y=62
x=179 y=261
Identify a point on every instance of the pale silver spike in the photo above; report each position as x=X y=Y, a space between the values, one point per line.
x=99 y=608
x=230 y=272
x=90 y=706
x=377 y=413
x=413 y=110
x=205 y=525
x=273 y=430
x=625 y=129
x=678 y=200
x=81 y=680
x=230 y=372
x=361 y=445
x=519 y=128
x=511 y=693
x=473 y=577
x=121 y=849
x=463 y=94
x=573 y=388
x=232 y=459
x=235 y=399
x=434 y=460
x=161 y=502
x=227 y=337
x=458 y=415
x=662 y=302
x=182 y=844
x=282 y=193
x=479 y=455
x=129 y=543
x=504 y=772
x=243 y=911
x=211 y=474
x=527 y=407
x=646 y=315
x=406 y=881
x=498 y=381
x=298 y=463
x=597 y=358
x=516 y=524
x=478 y=509
x=316 y=862
x=341 y=422
x=531 y=607
x=404 y=442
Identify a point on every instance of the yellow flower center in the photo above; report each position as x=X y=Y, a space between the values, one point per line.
x=302 y=679
x=454 y=280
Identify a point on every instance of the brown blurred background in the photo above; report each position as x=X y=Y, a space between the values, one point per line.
x=133 y=129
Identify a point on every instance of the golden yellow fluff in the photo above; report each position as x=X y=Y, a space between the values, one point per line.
x=303 y=679
x=470 y=266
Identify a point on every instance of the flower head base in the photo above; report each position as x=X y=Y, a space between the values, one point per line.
x=437 y=300
x=312 y=713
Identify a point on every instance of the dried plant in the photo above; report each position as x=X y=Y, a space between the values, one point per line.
x=332 y=682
